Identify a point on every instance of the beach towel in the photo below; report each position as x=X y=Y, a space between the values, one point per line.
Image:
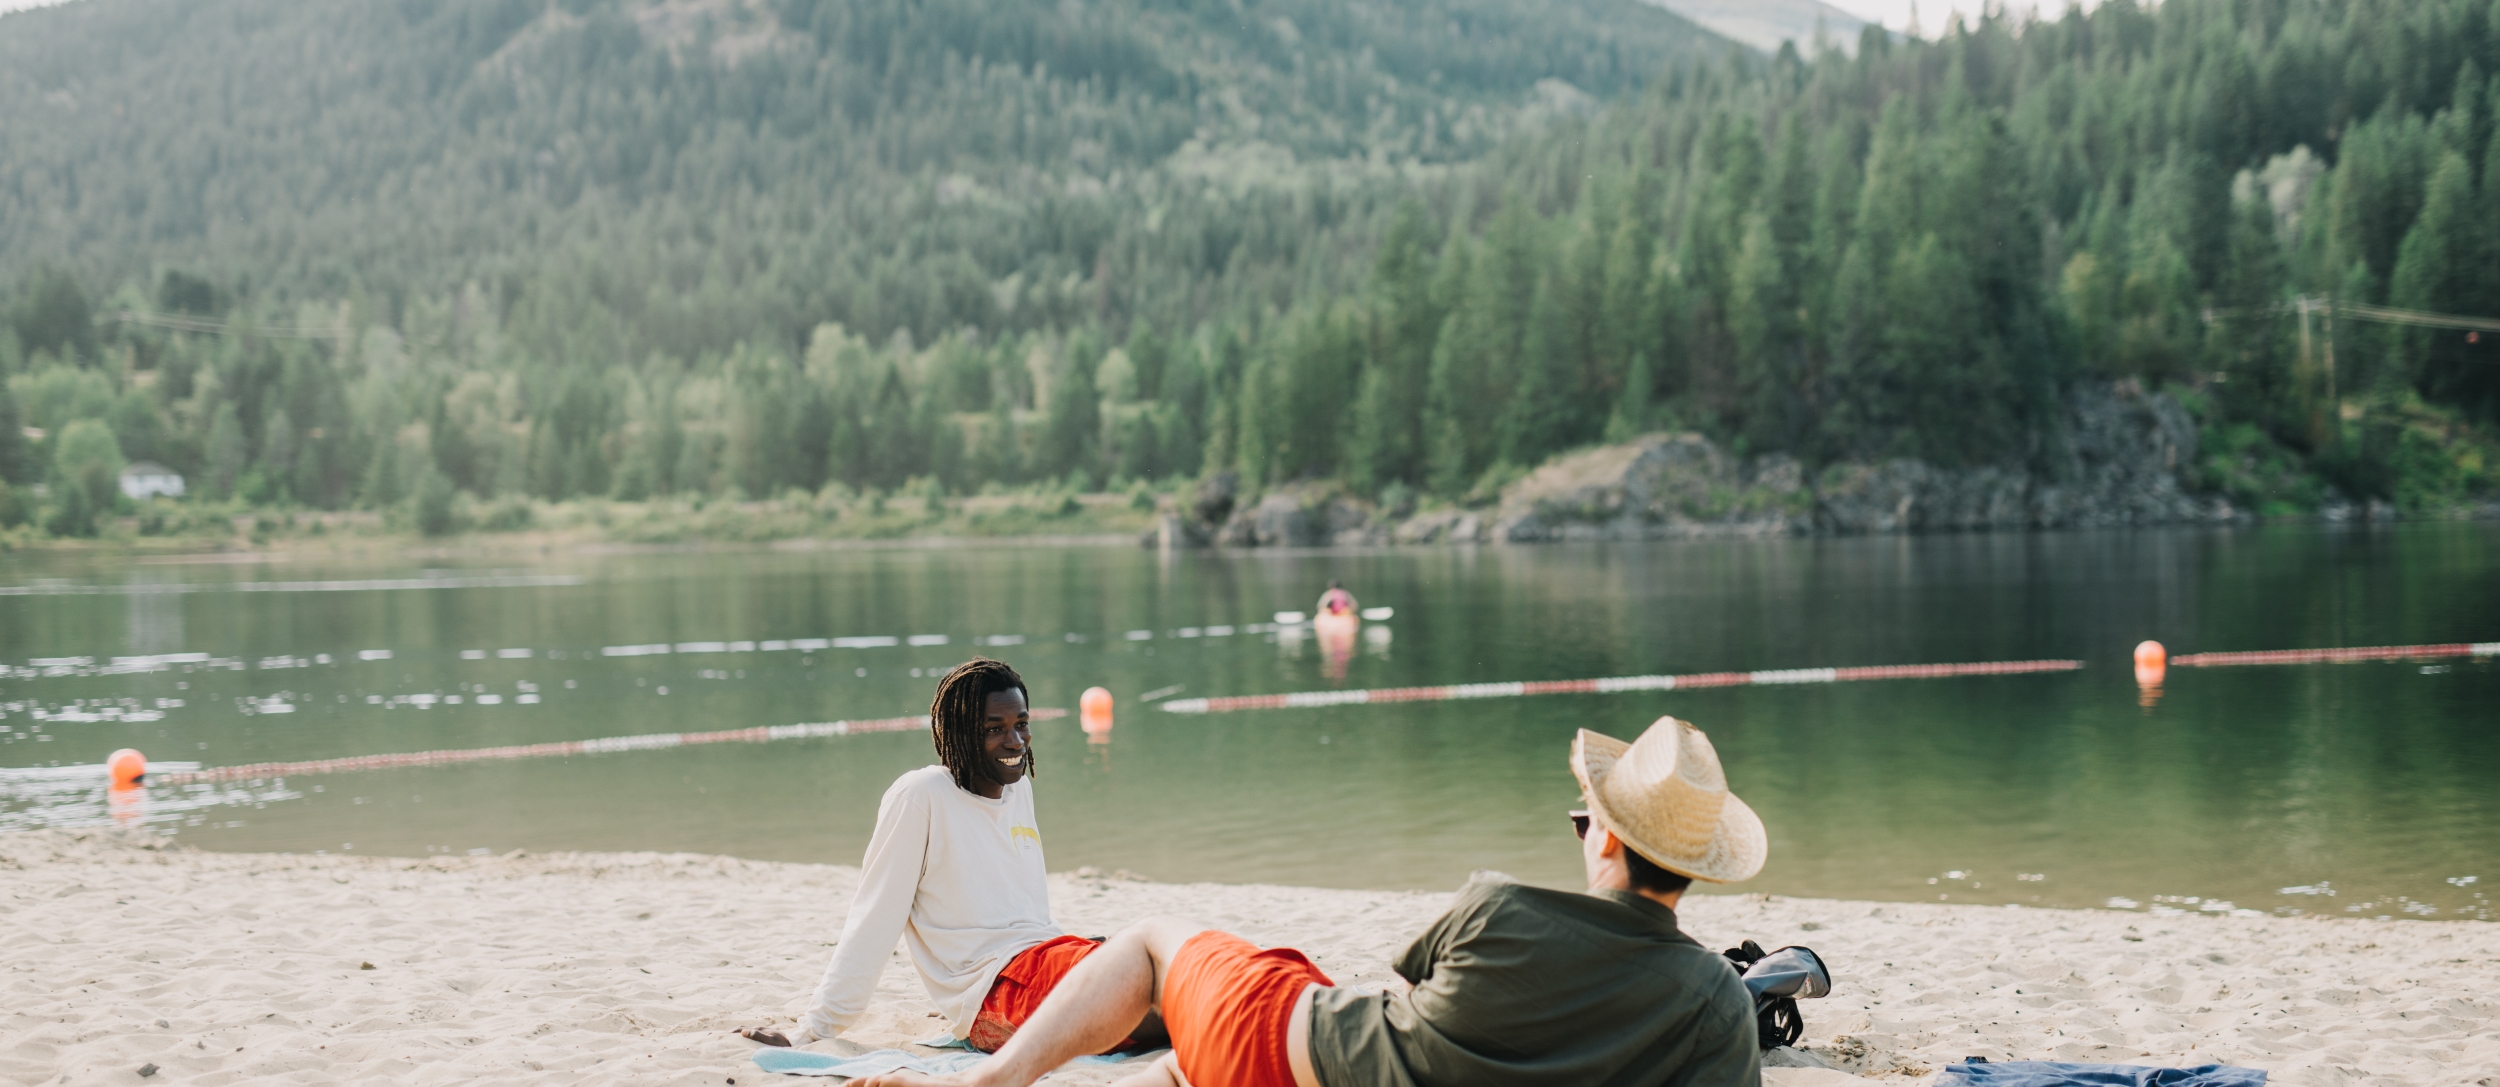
x=801 y=1062
x=2056 y=1074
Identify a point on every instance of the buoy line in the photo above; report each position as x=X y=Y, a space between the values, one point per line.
x=489 y=581
x=2338 y=656
x=86 y=665
x=558 y=749
x=1303 y=699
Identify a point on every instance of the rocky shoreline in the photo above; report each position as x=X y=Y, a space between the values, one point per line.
x=2115 y=460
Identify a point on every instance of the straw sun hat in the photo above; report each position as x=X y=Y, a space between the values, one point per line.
x=1666 y=797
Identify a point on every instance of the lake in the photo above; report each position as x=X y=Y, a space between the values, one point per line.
x=2355 y=788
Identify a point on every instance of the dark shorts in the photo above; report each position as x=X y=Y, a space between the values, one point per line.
x=1228 y=1005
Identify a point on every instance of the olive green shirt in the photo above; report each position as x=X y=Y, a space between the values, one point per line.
x=1520 y=985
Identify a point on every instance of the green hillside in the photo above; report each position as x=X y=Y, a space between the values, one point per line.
x=696 y=250
x=714 y=170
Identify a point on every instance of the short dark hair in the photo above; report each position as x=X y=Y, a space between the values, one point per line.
x=955 y=714
x=1648 y=876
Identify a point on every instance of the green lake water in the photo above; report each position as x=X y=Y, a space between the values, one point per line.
x=2359 y=788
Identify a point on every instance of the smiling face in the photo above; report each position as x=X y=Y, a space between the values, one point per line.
x=1006 y=742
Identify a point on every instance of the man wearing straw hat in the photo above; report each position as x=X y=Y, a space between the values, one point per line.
x=1515 y=985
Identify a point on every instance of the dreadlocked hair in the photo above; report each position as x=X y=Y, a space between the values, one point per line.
x=955 y=714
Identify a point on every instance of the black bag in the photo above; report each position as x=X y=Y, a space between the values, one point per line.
x=1777 y=979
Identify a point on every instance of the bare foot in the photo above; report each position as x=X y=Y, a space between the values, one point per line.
x=763 y=1036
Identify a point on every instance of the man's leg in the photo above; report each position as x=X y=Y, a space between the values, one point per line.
x=1092 y=1008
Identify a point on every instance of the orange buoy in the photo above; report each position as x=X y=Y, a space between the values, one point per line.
x=2150 y=654
x=2152 y=663
x=1093 y=710
x=127 y=766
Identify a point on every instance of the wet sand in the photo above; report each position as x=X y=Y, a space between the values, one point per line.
x=217 y=968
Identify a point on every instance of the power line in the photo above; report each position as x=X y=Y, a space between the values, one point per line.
x=182 y=323
x=2308 y=304
x=2329 y=308
x=2418 y=317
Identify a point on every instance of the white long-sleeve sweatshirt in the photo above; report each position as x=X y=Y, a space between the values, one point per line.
x=960 y=879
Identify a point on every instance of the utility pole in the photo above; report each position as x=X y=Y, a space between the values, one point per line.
x=2322 y=409
x=2327 y=307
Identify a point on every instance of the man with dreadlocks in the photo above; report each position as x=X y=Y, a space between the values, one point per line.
x=955 y=871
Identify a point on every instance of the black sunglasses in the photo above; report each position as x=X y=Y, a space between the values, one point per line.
x=1580 y=823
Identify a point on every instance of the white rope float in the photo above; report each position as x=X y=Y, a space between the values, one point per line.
x=2339 y=656
x=558 y=749
x=1611 y=685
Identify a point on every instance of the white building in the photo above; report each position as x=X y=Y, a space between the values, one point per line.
x=147 y=479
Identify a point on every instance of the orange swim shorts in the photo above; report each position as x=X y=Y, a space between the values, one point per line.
x=1228 y=1004
x=1021 y=987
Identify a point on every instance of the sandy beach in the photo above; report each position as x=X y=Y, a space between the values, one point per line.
x=128 y=951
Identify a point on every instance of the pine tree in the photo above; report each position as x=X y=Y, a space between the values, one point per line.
x=17 y=461
x=226 y=451
x=277 y=448
x=693 y=474
x=1632 y=414
x=1477 y=358
x=1386 y=444
x=2437 y=267
x=1537 y=418
x=1072 y=425
x=1627 y=322
x=1762 y=316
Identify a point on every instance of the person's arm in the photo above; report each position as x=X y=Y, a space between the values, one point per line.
x=888 y=881
x=1415 y=964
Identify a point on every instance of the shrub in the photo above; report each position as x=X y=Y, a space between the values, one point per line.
x=2242 y=462
x=89 y=459
x=511 y=513
x=72 y=514
x=431 y=506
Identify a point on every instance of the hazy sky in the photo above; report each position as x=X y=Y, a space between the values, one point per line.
x=1932 y=14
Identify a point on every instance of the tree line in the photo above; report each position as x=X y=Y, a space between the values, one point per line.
x=1905 y=250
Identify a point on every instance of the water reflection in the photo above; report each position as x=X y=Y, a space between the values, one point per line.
x=127 y=804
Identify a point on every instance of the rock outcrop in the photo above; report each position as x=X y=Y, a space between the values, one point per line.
x=2113 y=459
x=1656 y=486
x=1303 y=517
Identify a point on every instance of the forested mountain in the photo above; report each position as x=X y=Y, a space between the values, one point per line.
x=707 y=171
x=599 y=248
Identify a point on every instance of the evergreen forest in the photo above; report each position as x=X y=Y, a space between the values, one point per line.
x=422 y=257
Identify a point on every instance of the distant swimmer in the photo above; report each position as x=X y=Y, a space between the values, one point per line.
x=954 y=871
x=1337 y=602
x=1335 y=623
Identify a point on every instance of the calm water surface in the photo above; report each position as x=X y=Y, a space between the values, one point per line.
x=2364 y=788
